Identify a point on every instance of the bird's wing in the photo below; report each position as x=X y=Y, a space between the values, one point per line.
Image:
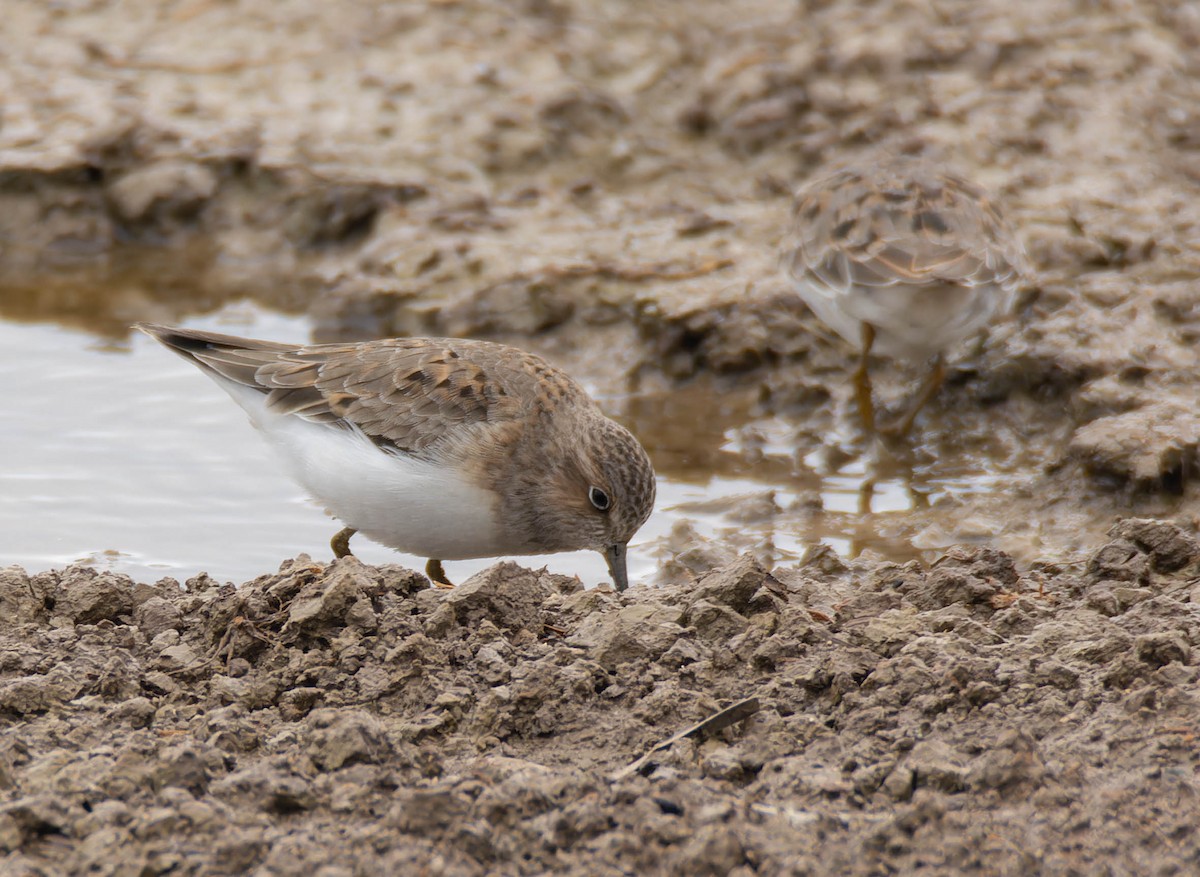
x=906 y=225
x=407 y=393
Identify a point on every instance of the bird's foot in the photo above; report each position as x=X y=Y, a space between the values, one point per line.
x=929 y=387
x=437 y=575
x=341 y=543
x=862 y=381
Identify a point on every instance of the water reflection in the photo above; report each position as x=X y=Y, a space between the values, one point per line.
x=117 y=453
x=106 y=294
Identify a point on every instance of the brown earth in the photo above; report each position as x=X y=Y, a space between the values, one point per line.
x=343 y=719
x=607 y=183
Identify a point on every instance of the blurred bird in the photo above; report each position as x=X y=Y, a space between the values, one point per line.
x=904 y=260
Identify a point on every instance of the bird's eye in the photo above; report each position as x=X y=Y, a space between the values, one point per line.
x=599 y=498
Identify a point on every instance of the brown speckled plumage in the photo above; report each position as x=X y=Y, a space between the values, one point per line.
x=410 y=393
x=505 y=421
x=900 y=257
x=898 y=224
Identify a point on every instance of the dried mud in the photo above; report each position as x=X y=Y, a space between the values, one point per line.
x=345 y=719
x=607 y=183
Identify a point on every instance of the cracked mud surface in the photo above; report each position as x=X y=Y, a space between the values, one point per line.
x=607 y=183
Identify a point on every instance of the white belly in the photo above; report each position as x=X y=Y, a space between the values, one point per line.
x=912 y=322
x=411 y=505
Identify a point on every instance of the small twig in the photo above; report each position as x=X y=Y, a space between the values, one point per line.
x=716 y=722
x=225 y=646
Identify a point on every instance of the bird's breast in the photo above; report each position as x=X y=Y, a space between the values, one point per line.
x=422 y=507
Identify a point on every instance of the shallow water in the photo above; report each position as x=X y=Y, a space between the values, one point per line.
x=117 y=453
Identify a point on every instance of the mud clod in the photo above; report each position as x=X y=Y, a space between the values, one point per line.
x=156 y=615
x=342 y=596
x=733 y=585
x=87 y=597
x=509 y=596
x=1157 y=649
x=28 y=820
x=341 y=737
x=641 y=632
x=162 y=191
x=1168 y=546
x=1013 y=768
x=1120 y=561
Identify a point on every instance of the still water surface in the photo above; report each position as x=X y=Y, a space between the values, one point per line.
x=115 y=452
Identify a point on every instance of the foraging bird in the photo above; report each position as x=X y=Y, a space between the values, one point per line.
x=444 y=448
x=903 y=260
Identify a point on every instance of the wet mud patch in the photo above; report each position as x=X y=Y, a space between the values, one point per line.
x=340 y=718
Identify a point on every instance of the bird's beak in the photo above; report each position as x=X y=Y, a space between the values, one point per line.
x=615 y=555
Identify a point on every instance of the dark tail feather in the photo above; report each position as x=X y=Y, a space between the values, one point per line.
x=226 y=356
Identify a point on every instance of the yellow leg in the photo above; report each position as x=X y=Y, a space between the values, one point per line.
x=437 y=575
x=933 y=382
x=866 y=493
x=862 y=380
x=341 y=543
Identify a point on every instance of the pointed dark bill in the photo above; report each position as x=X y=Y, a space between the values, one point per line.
x=615 y=555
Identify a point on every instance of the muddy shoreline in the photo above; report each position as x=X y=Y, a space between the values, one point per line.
x=335 y=718
x=588 y=181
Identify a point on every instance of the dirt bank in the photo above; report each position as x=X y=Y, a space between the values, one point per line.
x=608 y=183
x=342 y=719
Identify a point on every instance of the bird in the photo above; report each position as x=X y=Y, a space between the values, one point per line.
x=444 y=448
x=903 y=259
